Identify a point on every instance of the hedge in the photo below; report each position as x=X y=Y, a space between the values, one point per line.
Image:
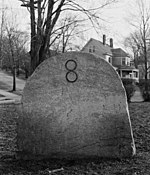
x=129 y=86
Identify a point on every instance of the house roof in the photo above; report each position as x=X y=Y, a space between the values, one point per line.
x=118 y=52
x=103 y=49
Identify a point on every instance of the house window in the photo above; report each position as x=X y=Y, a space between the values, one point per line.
x=93 y=48
x=123 y=61
x=90 y=48
x=131 y=75
x=135 y=74
x=123 y=74
x=128 y=63
x=110 y=60
x=131 y=63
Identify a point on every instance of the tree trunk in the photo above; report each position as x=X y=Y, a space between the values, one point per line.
x=17 y=68
x=34 y=58
x=13 y=66
x=14 y=79
x=26 y=74
x=33 y=38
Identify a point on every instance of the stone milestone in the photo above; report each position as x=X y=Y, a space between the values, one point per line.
x=74 y=105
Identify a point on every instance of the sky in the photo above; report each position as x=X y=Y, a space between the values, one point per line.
x=115 y=25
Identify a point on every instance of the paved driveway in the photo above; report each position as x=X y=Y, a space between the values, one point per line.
x=137 y=97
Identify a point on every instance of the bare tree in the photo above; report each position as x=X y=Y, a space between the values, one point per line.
x=1 y=31
x=135 y=44
x=67 y=31
x=44 y=15
x=145 y=33
x=141 y=22
x=20 y=41
x=11 y=46
x=13 y=42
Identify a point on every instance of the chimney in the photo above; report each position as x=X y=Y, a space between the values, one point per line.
x=104 y=39
x=111 y=42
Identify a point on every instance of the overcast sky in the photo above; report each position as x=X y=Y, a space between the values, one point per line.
x=116 y=25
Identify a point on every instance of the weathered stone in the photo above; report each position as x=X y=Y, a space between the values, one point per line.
x=75 y=105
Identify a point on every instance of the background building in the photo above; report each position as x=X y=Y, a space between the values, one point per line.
x=117 y=57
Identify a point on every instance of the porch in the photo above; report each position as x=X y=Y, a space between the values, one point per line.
x=129 y=73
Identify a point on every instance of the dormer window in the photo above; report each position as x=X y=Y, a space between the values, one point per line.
x=92 y=49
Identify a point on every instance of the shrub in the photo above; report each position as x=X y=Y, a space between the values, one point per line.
x=130 y=89
x=142 y=82
x=128 y=81
x=129 y=86
x=145 y=93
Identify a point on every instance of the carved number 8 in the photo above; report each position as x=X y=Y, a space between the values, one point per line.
x=71 y=75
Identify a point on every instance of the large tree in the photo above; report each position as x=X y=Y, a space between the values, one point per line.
x=44 y=15
x=134 y=43
x=139 y=38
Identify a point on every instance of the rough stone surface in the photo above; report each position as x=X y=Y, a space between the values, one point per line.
x=88 y=117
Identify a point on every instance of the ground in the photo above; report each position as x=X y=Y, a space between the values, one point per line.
x=138 y=165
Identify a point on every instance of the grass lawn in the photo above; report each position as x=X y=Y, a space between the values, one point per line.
x=8 y=88
x=6 y=82
x=20 y=76
x=138 y=165
x=5 y=86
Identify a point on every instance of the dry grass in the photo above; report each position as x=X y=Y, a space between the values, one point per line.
x=138 y=165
